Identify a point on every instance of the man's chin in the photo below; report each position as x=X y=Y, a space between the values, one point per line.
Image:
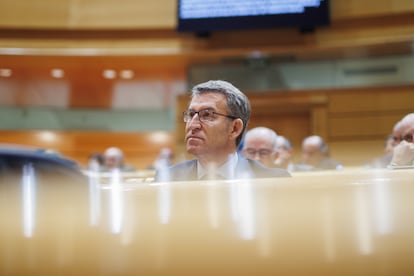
x=194 y=150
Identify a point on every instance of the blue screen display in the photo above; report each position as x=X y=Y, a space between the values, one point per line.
x=219 y=15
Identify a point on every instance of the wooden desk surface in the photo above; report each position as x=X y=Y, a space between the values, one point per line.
x=355 y=222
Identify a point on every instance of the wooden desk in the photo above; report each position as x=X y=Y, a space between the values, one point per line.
x=124 y=177
x=357 y=222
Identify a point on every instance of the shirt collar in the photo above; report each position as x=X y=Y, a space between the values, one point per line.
x=227 y=170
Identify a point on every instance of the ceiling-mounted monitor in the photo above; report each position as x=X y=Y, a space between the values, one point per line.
x=205 y=16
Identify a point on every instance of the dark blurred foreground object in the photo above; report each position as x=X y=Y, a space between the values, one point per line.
x=14 y=158
x=43 y=198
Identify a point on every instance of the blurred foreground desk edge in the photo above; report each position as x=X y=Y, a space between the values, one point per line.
x=350 y=222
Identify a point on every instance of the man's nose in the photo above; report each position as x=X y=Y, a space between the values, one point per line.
x=194 y=122
x=256 y=156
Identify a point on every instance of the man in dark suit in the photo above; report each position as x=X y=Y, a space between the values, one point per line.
x=216 y=121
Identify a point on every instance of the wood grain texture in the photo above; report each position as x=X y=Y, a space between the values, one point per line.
x=140 y=149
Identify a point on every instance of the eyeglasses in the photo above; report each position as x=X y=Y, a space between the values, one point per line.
x=263 y=153
x=408 y=138
x=396 y=139
x=205 y=115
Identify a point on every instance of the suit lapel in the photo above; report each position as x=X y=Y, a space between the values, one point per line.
x=243 y=168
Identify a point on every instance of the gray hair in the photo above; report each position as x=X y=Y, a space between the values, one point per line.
x=114 y=152
x=317 y=140
x=283 y=142
x=407 y=119
x=238 y=104
x=263 y=132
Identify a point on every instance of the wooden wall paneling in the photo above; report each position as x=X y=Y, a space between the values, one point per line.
x=358 y=100
x=368 y=99
x=89 y=14
x=355 y=9
x=22 y=81
x=397 y=98
x=319 y=121
x=89 y=89
x=146 y=13
x=366 y=113
x=36 y=138
x=140 y=149
x=354 y=127
x=356 y=153
x=84 y=76
x=34 y=14
x=131 y=14
x=389 y=22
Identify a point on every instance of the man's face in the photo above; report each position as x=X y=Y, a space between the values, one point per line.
x=407 y=132
x=396 y=135
x=284 y=154
x=112 y=161
x=210 y=139
x=311 y=154
x=260 y=149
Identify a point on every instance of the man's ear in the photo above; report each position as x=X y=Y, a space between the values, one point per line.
x=237 y=127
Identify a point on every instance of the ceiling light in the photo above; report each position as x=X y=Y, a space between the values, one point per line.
x=47 y=136
x=126 y=74
x=5 y=72
x=109 y=74
x=57 y=73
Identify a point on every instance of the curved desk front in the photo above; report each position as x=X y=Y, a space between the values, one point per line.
x=357 y=222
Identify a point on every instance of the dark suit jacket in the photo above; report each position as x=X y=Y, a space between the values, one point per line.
x=187 y=170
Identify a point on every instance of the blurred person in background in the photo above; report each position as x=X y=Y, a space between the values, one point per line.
x=403 y=153
x=396 y=134
x=260 y=144
x=285 y=153
x=391 y=141
x=114 y=160
x=316 y=156
x=95 y=162
x=164 y=159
